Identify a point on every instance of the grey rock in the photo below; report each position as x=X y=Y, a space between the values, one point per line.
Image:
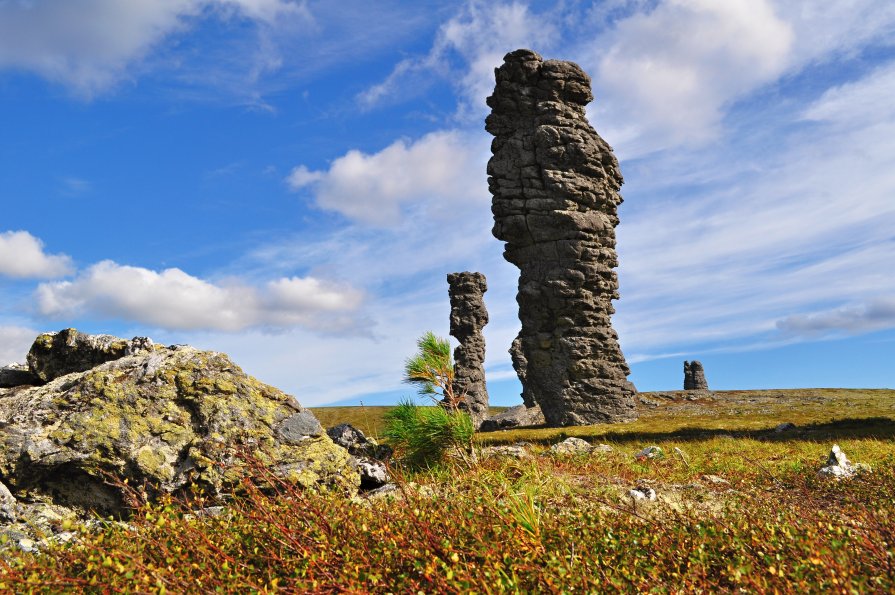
x=785 y=427
x=650 y=452
x=602 y=448
x=519 y=416
x=7 y=505
x=468 y=317
x=299 y=426
x=694 y=376
x=571 y=446
x=555 y=186
x=56 y=354
x=373 y=474
x=357 y=444
x=643 y=493
x=17 y=375
x=512 y=451
x=715 y=479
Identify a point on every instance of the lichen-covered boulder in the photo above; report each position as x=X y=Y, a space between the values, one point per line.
x=164 y=418
x=56 y=354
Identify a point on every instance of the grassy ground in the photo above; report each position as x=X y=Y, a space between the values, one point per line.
x=740 y=508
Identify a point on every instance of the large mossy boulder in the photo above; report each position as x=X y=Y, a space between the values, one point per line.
x=164 y=418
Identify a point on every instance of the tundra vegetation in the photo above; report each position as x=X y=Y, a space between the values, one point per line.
x=740 y=507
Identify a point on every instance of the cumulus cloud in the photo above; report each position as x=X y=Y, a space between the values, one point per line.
x=15 y=341
x=674 y=69
x=172 y=299
x=22 y=256
x=874 y=315
x=442 y=169
x=88 y=45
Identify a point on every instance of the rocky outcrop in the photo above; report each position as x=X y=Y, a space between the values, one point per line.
x=159 y=417
x=555 y=186
x=694 y=376
x=519 y=416
x=56 y=354
x=17 y=375
x=468 y=317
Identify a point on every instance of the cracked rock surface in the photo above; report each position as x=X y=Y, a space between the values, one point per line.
x=555 y=186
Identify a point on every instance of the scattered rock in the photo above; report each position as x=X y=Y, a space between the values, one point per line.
x=56 y=354
x=643 y=493
x=694 y=376
x=602 y=448
x=468 y=317
x=369 y=456
x=839 y=467
x=571 y=446
x=650 y=452
x=169 y=418
x=7 y=505
x=17 y=375
x=715 y=479
x=387 y=491
x=519 y=416
x=357 y=444
x=373 y=474
x=555 y=184
x=785 y=427
x=513 y=451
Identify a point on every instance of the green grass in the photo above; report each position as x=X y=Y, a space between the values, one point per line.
x=548 y=523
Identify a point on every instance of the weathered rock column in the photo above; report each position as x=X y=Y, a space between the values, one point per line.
x=555 y=186
x=468 y=317
x=694 y=376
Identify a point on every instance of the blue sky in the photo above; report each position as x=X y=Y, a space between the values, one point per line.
x=290 y=182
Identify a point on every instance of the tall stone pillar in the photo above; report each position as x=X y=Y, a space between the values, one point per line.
x=555 y=186
x=468 y=317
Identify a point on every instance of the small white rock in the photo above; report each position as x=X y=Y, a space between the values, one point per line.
x=643 y=493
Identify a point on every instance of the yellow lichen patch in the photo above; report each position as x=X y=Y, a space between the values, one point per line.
x=154 y=463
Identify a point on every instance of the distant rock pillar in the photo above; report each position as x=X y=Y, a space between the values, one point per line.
x=694 y=376
x=555 y=186
x=468 y=317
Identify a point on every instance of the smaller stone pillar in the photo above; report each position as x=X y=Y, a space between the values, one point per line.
x=694 y=376
x=468 y=318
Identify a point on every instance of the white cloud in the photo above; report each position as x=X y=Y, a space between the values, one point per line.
x=22 y=256
x=441 y=169
x=722 y=257
x=172 y=299
x=480 y=35
x=88 y=45
x=860 y=102
x=874 y=315
x=15 y=341
x=675 y=69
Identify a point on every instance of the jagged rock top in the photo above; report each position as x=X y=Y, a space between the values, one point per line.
x=56 y=354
